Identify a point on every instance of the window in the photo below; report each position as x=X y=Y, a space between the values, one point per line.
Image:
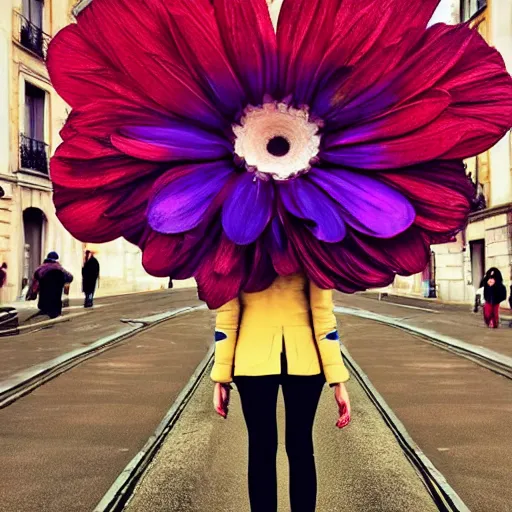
x=33 y=12
x=468 y=8
x=33 y=150
x=32 y=36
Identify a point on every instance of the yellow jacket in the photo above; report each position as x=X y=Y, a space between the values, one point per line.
x=250 y=336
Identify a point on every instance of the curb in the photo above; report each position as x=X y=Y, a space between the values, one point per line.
x=24 y=382
x=124 y=486
x=494 y=361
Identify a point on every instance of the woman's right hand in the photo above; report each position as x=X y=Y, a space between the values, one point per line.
x=343 y=401
x=221 y=398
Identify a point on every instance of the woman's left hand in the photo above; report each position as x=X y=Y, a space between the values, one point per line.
x=343 y=401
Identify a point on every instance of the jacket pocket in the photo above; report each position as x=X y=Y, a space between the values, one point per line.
x=256 y=347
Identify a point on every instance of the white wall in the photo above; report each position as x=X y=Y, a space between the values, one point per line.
x=448 y=11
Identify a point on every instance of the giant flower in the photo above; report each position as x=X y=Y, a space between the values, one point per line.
x=233 y=152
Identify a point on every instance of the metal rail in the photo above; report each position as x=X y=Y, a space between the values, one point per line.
x=494 y=361
x=28 y=380
x=444 y=496
x=122 y=489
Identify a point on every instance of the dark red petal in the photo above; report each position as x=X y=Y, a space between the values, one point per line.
x=404 y=255
x=281 y=251
x=250 y=43
x=216 y=288
x=261 y=272
x=440 y=193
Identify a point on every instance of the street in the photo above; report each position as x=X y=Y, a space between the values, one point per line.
x=64 y=444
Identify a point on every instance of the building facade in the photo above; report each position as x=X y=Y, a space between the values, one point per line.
x=457 y=268
x=31 y=117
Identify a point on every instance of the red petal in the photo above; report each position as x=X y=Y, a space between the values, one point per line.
x=250 y=43
x=80 y=74
x=84 y=163
x=303 y=34
x=135 y=45
x=85 y=219
x=396 y=122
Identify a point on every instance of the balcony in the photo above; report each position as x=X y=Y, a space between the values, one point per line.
x=33 y=154
x=32 y=37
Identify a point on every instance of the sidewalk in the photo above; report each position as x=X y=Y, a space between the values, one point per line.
x=202 y=465
x=437 y=304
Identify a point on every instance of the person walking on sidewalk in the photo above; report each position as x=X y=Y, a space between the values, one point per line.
x=3 y=281
x=494 y=294
x=90 y=276
x=49 y=281
x=284 y=336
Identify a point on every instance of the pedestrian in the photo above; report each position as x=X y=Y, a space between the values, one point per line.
x=90 y=277
x=48 y=282
x=170 y=284
x=494 y=294
x=510 y=304
x=3 y=281
x=285 y=336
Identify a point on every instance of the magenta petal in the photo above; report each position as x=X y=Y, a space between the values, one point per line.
x=182 y=204
x=176 y=141
x=247 y=209
x=368 y=205
x=304 y=200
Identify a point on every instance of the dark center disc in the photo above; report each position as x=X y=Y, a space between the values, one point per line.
x=278 y=146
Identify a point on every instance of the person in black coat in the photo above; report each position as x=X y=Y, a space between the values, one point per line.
x=90 y=276
x=494 y=294
x=48 y=283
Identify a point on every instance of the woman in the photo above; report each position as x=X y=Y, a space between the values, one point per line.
x=283 y=336
x=494 y=294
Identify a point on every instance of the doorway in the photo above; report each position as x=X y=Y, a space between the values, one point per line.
x=33 y=227
x=477 y=248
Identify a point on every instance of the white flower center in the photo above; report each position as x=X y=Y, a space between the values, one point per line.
x=277 y=140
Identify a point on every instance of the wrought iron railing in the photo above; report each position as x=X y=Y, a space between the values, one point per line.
x=32 y=37
x=33 y=154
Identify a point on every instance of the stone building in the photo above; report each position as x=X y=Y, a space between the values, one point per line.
x=457 y=268
x=31 y=116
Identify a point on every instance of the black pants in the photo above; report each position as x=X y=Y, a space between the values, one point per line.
x=259 y=401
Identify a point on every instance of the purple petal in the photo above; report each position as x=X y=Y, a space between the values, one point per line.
x=176 y=141
x=182 y=204
x=368 y=205
x=248 y=209
x=304 y=200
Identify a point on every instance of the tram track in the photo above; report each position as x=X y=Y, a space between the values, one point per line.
x=494 y=361
x=26 y=381
x=442 y=493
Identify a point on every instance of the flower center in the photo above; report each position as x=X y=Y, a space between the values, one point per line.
x=278 y=146
x=276 y=140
